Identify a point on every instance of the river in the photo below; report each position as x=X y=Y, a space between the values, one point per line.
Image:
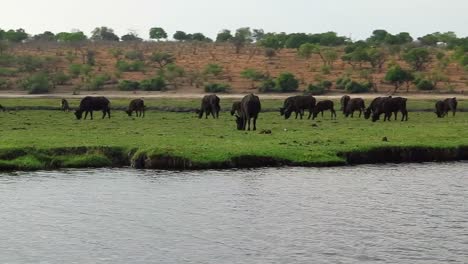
x=412 y=213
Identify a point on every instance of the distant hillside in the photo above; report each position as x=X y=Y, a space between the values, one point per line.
x=62 y=63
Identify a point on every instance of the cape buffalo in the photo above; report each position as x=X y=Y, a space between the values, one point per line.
x=373 y=106
x=64 y=105
x=355 y=104
x=250 y=107
x=391 y=105
x=323 y=106
x=298 y=104
x=441 y=109
x=90 y=104
x=2 y=108
x=235 y=108
x=344 y=101
x=209 y=105
x=137 y=105
x=451 y=104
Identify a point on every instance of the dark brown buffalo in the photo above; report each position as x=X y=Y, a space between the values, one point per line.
x=298 y=104
x=137 y=105
x=250 y=107
x=90 y=104
x=441 y=109
x=2 y=108
x=64 y=105
x=323 y=106
x=451 y=104
x=235 y=108
x=355 y=104
x=344 y=101
x=209 y=105
x=372 y=108
x=391 y=105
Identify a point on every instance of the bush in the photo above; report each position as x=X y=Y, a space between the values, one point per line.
x=98 y=82
x=217 y=88
x=425 y=85
x=4 y=84
x=75 y=70
x=286 y=82
x=213 y=69
x=155 y=84
x=342 y=82
x=30 y=63
x=60 y=78
x=36 y=84
x=315 y=89
x=326 y=84
x=134 y=55
x=356 y=87
x=7 y=60
x=125 y=66
x=267 y=86
x=127 y=85
x=326 y=69
x=6 y=72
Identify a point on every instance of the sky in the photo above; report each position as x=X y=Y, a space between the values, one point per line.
x=351 y=18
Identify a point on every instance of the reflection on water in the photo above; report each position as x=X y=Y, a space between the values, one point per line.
x=414 y=213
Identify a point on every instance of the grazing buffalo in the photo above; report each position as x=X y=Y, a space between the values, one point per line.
x=441 y=109
x=355 y=104
x=323 y=106
x=372 y=108
x=209 y=105
x=90 y=104
x=298 y=104
x=391 y=105
x=250 y=107
x=236 y=108
x=64 y=105
x=344 y=101
x=451 y=104
x=137 y=105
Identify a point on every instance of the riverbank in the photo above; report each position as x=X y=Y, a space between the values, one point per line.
x=40 y=139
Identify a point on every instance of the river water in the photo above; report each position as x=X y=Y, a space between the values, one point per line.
x=416 y=213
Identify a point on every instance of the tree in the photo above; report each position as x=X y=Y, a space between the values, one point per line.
x=224 y=36
x=104 y=34
x=180 y=36
x=257 y=34
x=357 y=57
x=200 y=37
x=71 y=36
x=295 y=40
x=429 y=40
x=242 y=36
x=46 y=36
x=418 y=58
x=378 y=36
x=17 y=36
x=157 y=33
x=173 y=73
x=131 y=37
x=398 y=76
x=213 y=69
x=273 y=40
x=377 y=58
x=162 y=59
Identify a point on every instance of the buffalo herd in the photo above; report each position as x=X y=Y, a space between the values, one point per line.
x=247 y=110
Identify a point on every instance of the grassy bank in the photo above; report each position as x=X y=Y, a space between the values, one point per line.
x=54 y=139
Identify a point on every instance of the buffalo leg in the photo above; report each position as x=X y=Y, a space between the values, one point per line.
x=333 y=113
x=108 y=113
x=91 y=113
x=255 y=123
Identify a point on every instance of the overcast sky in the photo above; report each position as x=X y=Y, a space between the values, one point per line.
x=355 y=18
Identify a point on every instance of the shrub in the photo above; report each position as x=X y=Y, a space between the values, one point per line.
x=98 y=82
x=267 y=86
x=7 y=60
x=30 y=63
x=217 y=88
x=213 y=69
x=326 y=84
x=425 y=85
x=155 y=84
x=326 y=69
x=356 y=87
x=286 y=82
x=134 y=55
x=75 y=70
x=60 y=78
x=342 y=82
x=127 y=85
x=125 y=66
x=4 y=84
x=36 y=84
x=315 y=89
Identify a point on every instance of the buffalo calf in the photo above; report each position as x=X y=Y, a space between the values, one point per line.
x=323 y=106
x=137 y=105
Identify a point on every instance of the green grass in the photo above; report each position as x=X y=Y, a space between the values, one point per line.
x=49 y=139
